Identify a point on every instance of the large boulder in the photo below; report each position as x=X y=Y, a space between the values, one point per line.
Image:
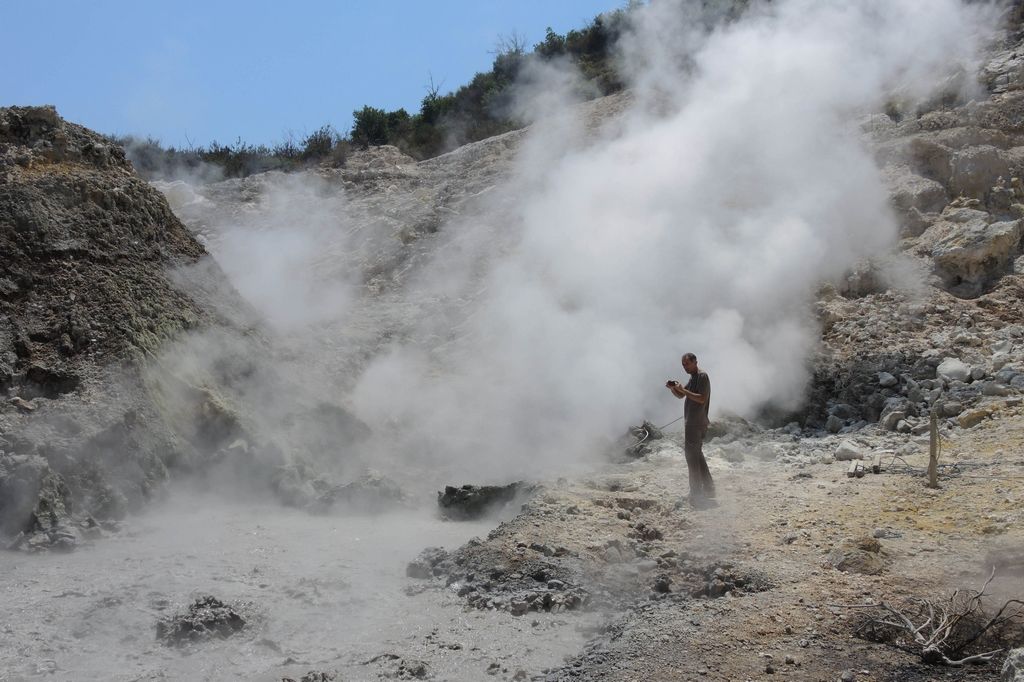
x=474 y=501
x=975 y=170
x=953 y=369
x=969 y=252
x=848 y=450
x=908 y=190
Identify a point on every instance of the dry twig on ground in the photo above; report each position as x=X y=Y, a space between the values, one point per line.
x=943 y=631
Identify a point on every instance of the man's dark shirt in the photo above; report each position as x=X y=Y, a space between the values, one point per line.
x=695 y=414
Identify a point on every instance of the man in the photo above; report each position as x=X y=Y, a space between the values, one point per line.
x=697 y=394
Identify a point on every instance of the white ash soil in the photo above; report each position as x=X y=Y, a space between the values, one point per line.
x=325 y=593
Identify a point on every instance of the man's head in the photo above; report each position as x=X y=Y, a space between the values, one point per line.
x=690 y=363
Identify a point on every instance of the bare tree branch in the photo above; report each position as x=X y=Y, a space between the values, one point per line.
x=947 y=628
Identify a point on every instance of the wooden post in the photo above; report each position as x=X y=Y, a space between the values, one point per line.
x=933 y=450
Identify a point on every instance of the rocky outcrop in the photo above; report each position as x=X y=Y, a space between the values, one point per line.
x=970 y=251
x=33 y=497
x=87 y=246
x=89 y=301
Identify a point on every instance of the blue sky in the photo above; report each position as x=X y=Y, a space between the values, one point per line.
x=203 y=71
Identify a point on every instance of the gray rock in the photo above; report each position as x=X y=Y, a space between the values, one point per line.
x=1017 y=382
x=854 y=427
x=833 y=424
x=951 y=408
x=920 y=428
x=895 y=409
x=953 y=369
x=206 y=617
x=33 y=497
x=862 y=555
x=1013 y=666
x=991 y=388
x=891 y=420
x=977 y=373
x=1006 y=375
x=843 y=411
x=372 y=492
x=976 y=169
x=662 y=584
x=969 y=257
x=909 y=191
x=429 y=563
x=1003 y=346
x=848 y=450
x=887 y=380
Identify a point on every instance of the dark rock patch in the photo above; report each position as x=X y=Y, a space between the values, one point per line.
x=474 y=501
x=313 y=676
x=206 y=617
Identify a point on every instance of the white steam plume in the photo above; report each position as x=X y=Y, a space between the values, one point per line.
x=735 y=184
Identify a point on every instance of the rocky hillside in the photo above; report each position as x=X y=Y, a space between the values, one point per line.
x=87 y=245
x=93 y=418
x=940 y=320
x=93 y=316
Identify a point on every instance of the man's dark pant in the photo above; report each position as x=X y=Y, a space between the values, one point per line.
x=701 y=485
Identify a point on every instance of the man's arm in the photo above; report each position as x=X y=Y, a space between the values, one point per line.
x=680 y=392
x=698 y=398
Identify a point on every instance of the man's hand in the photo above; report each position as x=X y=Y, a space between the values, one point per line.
x=676 y=388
